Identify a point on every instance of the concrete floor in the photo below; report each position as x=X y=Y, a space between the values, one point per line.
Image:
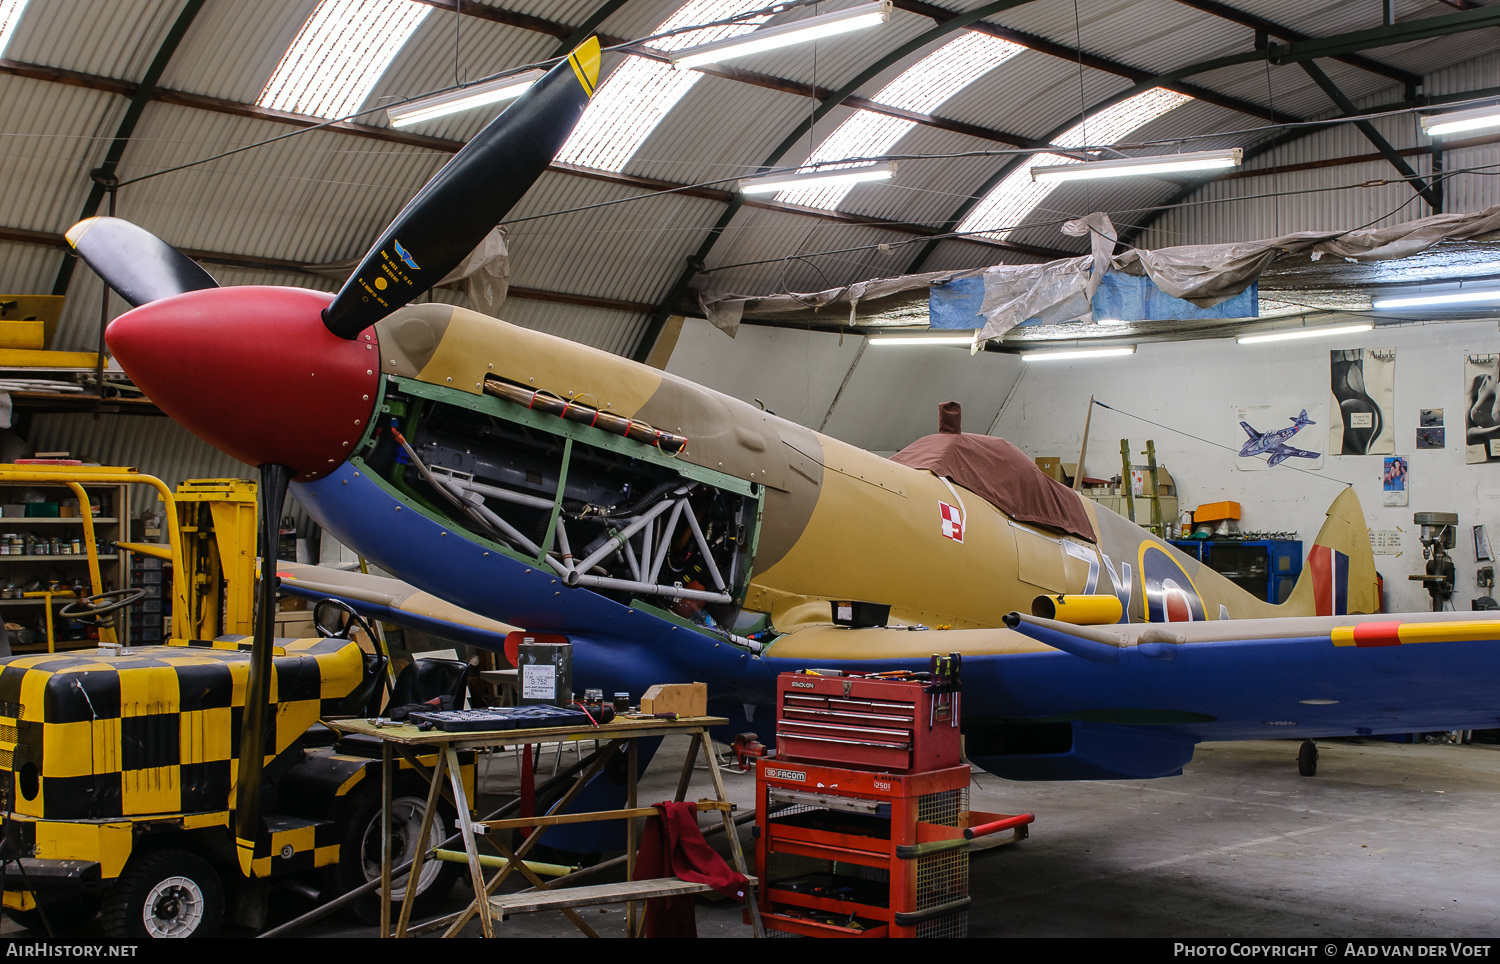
x=1388 y=840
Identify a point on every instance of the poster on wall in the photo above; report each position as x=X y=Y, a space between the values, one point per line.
x=1481 y=407
x=1362 y=389
x=1393 y=482
x=1429 y=428
x=1266 y=434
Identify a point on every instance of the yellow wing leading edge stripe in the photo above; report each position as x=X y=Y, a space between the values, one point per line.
x=1396 y=633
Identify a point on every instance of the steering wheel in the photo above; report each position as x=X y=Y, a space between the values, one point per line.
x=88 y=609
x=343 y=632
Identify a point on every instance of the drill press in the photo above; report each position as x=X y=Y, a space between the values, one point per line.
x=1439 y=534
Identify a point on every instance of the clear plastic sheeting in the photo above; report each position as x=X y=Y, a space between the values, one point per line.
x=1059 y=292
x=1206 y=274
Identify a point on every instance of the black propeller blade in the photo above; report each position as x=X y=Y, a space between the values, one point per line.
x=468 y=197
x=135 y=262
x=257 y=723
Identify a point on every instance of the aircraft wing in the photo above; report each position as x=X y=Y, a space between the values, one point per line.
x=391 y=600
x=1049 y=700
x=1249 y=431
x=1283 y=452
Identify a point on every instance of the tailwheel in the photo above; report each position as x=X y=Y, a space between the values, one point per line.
x=1307 y=759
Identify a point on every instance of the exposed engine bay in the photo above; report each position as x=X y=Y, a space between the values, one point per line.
x=605 y=511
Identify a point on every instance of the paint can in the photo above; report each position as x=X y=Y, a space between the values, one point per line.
x=546 y=673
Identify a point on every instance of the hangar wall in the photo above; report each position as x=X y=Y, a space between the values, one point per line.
x=890 y=395
x=1194 y=386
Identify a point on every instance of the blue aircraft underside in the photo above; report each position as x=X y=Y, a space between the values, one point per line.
x=1049 y=715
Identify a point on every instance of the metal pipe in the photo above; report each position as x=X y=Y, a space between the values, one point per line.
x=506 y=495
x=713 y=567
x=500 y=863
x=675 y=592
x=615 y=540
x=562 y=543
x=629 y=550
x=573 y=411
x=485 y=515
x=461 y=499
x=666 y=541
x=1077 y=640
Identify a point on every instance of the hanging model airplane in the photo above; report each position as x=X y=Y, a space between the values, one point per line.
x=672 y=533
x=1274 y=443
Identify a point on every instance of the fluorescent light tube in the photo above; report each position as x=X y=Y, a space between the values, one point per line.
x=464 y=98
x=1128 y=166
x=1301 y=333
x=1076 y=353
x=1471 y=296
x=1457 y=121
x=965 y=340
x=783 y=35
x=775 y=183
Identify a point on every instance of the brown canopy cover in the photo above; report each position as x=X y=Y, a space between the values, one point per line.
x=998 y=472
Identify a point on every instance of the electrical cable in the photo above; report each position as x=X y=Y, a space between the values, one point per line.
x=953 y=235
x=627 y=46
x=534 y=65
x=1228 y=448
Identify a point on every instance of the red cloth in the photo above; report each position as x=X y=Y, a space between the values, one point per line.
x=673 y=846
x=999 y=473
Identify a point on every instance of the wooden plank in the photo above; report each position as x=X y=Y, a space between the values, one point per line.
x=594 y=895
x=621 y=728
x=511 y=823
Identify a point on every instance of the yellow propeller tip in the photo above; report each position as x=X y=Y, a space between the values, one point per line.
x=585 y=62
x=78 y=230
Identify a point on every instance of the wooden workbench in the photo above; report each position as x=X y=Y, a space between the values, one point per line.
x=407 y=741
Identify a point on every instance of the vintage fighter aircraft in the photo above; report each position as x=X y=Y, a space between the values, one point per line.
x=1274 y=443
x=673 y=533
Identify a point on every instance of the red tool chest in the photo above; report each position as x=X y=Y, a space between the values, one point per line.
x=898 y=725
x=864 y=827
x=855 y=853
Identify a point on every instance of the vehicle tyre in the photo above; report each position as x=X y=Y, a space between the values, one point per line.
x=359 y=852
x=164 y=893
x=67 y=916
x=1307 y=758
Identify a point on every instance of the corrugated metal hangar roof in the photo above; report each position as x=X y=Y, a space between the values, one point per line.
x=166 y=96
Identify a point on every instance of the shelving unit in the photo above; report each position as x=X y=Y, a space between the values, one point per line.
x=22 y=571
x=1266 y=568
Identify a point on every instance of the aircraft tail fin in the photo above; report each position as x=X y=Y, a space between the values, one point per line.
x=1339 y=575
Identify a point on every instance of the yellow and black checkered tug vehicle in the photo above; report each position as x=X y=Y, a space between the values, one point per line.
x=118 y=766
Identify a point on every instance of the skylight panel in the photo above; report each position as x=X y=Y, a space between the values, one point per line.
x=1010 y=201
x=10 y=15
x=927 y=84
x=640 y=92
x=339 y=55
x=922 y=87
